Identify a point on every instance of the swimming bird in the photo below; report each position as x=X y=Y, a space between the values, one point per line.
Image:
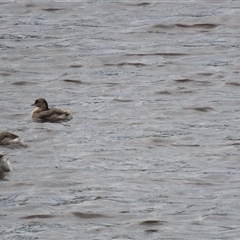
x=10 y=139
x=5 y=166
x=43 y=114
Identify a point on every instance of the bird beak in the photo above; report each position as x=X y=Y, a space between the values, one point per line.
x=33 y=104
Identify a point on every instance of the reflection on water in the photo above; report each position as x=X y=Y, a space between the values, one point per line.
x=153 y=147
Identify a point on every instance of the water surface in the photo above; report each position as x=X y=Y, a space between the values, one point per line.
x=153 y=149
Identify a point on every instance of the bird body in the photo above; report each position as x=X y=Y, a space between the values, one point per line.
x=8 y=138
x=44 y=114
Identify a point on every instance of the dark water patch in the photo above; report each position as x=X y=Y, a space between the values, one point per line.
x=233 y=144
x=21 y=83
x=157 y=54
x=156 y=141
x=185 y=145
x=231 y=138
x=76 y=81
x=205 y=74
x=30 y=5
x=204 y=83
x=233 y=84
x=163 y=92
x=5 y=47
x=138 y=4
x=68 y=202
x=9 y=36
x=200 y=109
x=38 y=216
x=184 y=80
x=152 y=222
x=89 y=215
x=142 y=4
x=199 y=25
x=179 y=25
x=187 y=80
x=125 y=64
x=112 y=84
x=200 y=183
x=76 y=66
x=164 y=26
x=24 y=184
x=52 y=9
x=186 y=92
x=122 y=100
x=149 y=231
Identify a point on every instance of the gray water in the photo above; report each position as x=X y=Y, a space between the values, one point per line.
x=153 y=149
